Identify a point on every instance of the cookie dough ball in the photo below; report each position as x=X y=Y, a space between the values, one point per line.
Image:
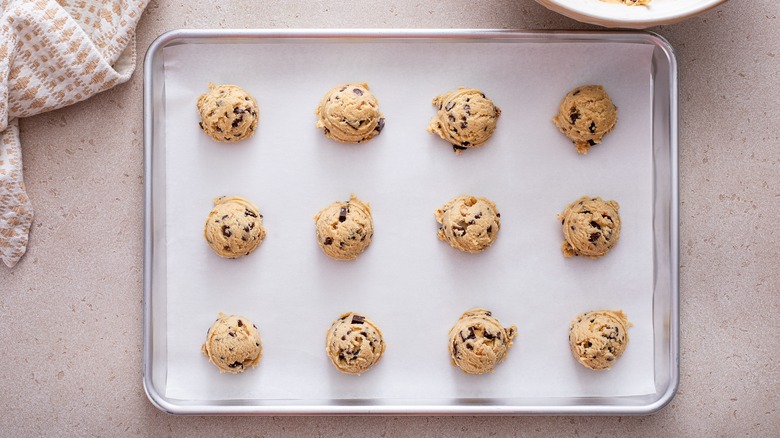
x=349 y=113
x=344 y=229
x=234 y=228
x=597 y=339
x=228 y=113
x=591 y=227
x=478 y=342
x=468 y=223
x=354 y=344
x=586 y=115
x=466 y=118
x=233 y=344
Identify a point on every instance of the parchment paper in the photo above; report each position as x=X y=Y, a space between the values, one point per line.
x=413 y=286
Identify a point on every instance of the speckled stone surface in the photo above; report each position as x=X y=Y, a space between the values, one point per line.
x=71 y=309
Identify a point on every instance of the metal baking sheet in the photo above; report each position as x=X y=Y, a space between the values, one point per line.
x=411 y=285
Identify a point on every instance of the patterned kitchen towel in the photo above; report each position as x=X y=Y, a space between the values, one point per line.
x=53 y=54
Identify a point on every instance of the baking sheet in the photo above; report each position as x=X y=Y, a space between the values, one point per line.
x=409 y=283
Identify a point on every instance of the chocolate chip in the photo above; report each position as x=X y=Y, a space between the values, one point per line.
x=357 y=319
x=498 y=214
x=248 y=212
x=219 y=129
x=237 y=121
x=341 y=244
x=357 y=91
x=380 y=126
x=238 y=110
x=490 y=229
x=478 y=215
x=488 y=335
x=254 y=326
x=463 y=125
x=257 y=344
x=451 y=117
x=236 y=364
x=232 y=334
x=591 y=142
x=343 y=214
x=343 y=88
x=595 y=225
x=588 y=344
x=226 y=231
x=344 y=338
x=449 y=106
x=458 y=148
x=594 y=237
x=472 y=335
x=469 y=346
x=240 y=323
x=574 y=116
x=365 y=335
x=252 y=225
x=610 y=359
x=328 y=241
x=465 y=143
x=201 y=125
x=488 y=313
x=467 y=108
x=575 y=93
x=592 y=127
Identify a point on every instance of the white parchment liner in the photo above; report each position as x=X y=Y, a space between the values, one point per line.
x=410 y=284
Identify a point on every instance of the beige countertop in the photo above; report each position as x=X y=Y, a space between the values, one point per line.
x=72 y=308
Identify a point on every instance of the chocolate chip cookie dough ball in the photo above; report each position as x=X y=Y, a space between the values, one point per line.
x=586 y=115
x=354 y=344
x=234 y=228
x=598 y=338
x=468 y=223
x=233 y=344
x=465 y=118
x=349 y=113
x=228 y=113
x=591 y=227
x=344 y=229
x=478 y=342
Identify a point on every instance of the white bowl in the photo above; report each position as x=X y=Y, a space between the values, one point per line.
x=636 y=17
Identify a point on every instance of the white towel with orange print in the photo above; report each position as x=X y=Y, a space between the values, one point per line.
x=53 y=54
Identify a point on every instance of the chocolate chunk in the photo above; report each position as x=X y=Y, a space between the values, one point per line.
x=449 y=106
x=458 y=148
x=237 y=121
x=463 y=125
x=488 y=335
x=380 y=125
x=595 y=225
x=232 y=334
x=472 y=335
x=341 y=244
x=201 y=125
x=365 y=335
x=357 y=319
x=236 y=364
x=465 y=143
x=469 y=346
x=592 y=127
x=357 y=91
x=488 y=313
x=610 y=358
x=252 y=225
x=248 y=212
x=343 y=88
x=451 y=117
x=343 y=214
x=478 y=215
x=257 y=344
x=240 y=323
x=575 y=93
x=328 y=241
x=591 y=142
x=594 y=237
x=467 y=108
x=254 y=326
x=219 y=129
x=573 y=228
x=588 y=344
x=574 y=116
x=498 y=214
x=483 y=95
x=226 y=231
x=238 y=110
x=490 y=229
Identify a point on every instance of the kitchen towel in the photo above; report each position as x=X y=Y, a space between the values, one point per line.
x=53 y=54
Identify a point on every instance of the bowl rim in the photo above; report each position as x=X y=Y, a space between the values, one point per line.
x=583 y=13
